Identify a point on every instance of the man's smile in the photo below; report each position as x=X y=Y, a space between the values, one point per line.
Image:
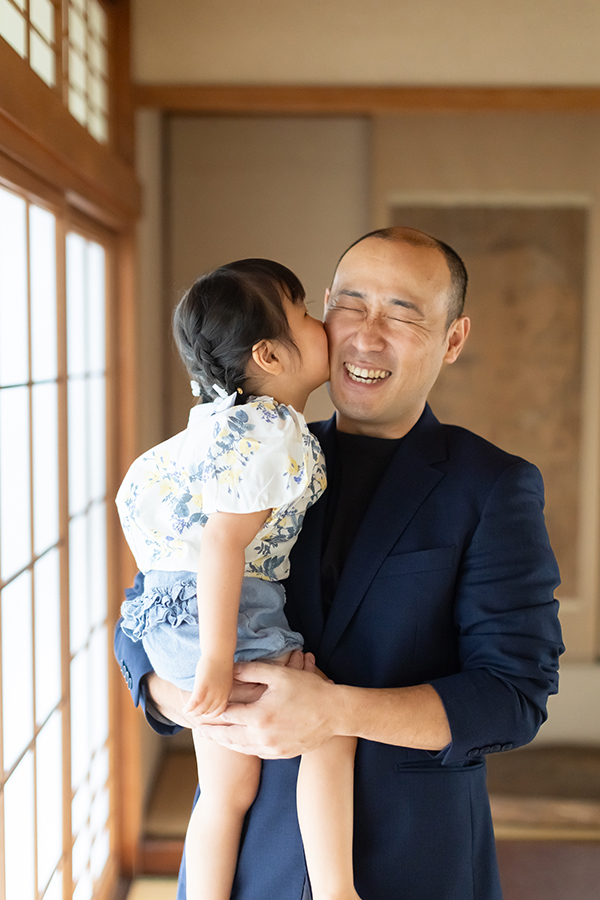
x=362 y=375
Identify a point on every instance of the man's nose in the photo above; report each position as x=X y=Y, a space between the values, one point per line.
x=370 y=334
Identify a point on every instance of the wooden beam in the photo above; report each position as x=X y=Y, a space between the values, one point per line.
x=361 y=100
x=38 y=132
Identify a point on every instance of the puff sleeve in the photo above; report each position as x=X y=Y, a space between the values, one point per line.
x=256 y=459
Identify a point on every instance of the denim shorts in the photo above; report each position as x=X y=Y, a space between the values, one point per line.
x=165 y=619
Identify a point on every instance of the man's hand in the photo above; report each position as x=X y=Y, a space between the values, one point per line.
x=296 y=713
x=170 y=700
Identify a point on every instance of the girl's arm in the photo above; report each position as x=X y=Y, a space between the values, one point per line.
x=220 y=573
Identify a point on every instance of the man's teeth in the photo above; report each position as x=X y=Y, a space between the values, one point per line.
x=365 y=376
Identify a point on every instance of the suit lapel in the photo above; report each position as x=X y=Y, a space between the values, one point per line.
x=405 y=485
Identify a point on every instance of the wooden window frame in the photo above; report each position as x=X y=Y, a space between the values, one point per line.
x=50 y=159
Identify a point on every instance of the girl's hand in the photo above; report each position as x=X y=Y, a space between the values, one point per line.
x=212 y=687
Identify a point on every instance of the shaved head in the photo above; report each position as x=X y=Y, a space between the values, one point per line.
x=456 y=267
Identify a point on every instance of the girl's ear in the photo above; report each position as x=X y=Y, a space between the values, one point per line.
x=266 y=355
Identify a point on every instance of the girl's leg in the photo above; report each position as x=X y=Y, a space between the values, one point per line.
x=325 y=813
x=228 y=786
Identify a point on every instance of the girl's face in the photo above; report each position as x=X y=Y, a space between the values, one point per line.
x=312 y=367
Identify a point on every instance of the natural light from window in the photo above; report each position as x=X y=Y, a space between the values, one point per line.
x=52 y=557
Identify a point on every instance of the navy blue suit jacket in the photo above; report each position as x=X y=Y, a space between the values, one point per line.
x=449 y=581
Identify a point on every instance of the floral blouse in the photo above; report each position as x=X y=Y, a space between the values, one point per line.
x=235 y=459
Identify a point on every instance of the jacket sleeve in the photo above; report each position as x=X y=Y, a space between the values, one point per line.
x=135 y=664
x=507 y=621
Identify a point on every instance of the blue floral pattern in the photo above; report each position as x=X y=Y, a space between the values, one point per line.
x=233 y=459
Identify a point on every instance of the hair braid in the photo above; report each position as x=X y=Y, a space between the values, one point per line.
x=225 y=313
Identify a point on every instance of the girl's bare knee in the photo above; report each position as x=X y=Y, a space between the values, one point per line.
x=230 y=779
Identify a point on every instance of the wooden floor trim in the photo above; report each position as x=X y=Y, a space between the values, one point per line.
x=159 y=856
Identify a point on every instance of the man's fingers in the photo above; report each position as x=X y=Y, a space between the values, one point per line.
x=238 y=714
x=309 y=662
x=296 y=660
x=258 y=672
x=233 y=737
x=226 y=735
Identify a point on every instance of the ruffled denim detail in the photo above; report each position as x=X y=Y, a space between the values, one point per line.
x=166 y=599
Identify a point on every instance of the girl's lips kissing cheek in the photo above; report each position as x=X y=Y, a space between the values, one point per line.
x=362 y=375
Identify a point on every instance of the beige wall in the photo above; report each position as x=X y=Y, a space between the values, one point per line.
x=465 y=42
x=291 y=189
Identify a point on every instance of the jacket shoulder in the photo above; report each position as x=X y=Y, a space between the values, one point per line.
x=484 y=460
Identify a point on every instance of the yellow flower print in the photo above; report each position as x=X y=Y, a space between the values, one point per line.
x=248 y=446
x=227 y=478
x=292 y=467
x=165 y=488
x=196 y=501
x=230 y=459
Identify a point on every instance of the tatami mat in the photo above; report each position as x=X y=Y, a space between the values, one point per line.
x=172 y=796
x=153 y=889
x=546 y=793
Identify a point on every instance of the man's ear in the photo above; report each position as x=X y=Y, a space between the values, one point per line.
x=266 y=355
x=456 y=337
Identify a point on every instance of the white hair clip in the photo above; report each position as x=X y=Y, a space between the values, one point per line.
x=195 y=388
x=220 y=391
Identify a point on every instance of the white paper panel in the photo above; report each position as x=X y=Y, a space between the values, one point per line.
x=45 y=466
x=19 y=832
x=42 y=241
x=14 y=334
x=49 y=798
x=98 y=699
x=15 y=512
x=41 y=14
x=12 y=27
x=42 y=58
x=79 y=583
x=78 y=446
x=97 y=573
x=46 y=575
x=80 y=716
x=17 y=668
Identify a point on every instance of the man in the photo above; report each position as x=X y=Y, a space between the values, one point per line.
x=422 y=583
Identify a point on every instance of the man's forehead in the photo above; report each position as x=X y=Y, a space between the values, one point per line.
x=395 y=267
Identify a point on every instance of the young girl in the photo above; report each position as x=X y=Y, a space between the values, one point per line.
x=211 y=516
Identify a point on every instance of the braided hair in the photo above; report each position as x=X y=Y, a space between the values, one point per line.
x=225 y=313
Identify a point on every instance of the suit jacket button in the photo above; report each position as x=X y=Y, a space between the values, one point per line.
x=474 y=752
x=506 y=747
x=495 y=748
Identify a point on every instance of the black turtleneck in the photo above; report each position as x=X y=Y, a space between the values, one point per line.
x=360 y=462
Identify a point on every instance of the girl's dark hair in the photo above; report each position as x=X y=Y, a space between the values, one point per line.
x=225 y=313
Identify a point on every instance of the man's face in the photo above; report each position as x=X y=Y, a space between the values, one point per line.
x=385 y=318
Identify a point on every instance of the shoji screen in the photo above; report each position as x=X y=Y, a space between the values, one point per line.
x=55 y=796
